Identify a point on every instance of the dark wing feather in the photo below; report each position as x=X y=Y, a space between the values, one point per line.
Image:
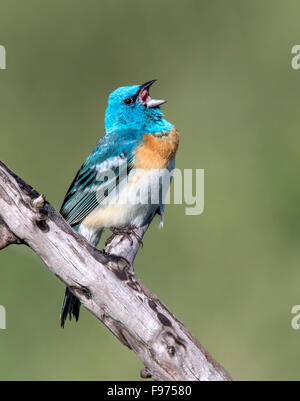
x=93 y=182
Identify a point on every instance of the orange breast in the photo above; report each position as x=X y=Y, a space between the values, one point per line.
x=157 y=150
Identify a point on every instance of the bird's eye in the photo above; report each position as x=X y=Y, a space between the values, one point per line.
x=128 y=100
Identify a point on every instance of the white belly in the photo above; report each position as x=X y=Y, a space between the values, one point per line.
x=138 y=198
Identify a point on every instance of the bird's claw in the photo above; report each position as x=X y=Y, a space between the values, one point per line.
x=125 y=232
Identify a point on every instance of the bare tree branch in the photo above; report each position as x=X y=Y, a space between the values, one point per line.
x=105 y=284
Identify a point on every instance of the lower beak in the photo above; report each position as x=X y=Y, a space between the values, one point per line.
x=147 y=100
x=154 y=102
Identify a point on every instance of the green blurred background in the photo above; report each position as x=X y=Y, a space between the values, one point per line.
x=231 y=274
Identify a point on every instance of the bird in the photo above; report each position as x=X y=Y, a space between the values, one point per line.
x=138 y=144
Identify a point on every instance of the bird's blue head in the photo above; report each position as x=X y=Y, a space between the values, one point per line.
x=132 y=108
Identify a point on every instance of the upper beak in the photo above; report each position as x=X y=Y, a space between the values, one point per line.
x=146 y=99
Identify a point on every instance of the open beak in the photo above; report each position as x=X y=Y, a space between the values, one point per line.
x=144 y=97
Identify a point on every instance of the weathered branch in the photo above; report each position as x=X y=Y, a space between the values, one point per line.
x=105 y=285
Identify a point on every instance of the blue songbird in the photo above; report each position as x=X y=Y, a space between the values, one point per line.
x=135 y=154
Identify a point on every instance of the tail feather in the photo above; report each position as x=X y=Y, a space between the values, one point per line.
x=70 y=306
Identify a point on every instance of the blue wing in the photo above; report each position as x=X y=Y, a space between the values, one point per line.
x=114 y=152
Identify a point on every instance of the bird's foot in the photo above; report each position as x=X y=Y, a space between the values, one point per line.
x=125 y=232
